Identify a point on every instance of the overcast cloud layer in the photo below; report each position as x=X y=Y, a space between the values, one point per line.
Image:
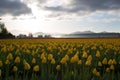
x=59 y=7
x=13 y=7
x=82 y=7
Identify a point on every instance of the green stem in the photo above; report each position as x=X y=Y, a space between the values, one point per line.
x=7 y=72
x=33 y=75
x=16 y=76
x=112 y=75
x=26 y=77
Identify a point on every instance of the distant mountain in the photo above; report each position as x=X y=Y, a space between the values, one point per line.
x=77 y=34
x=57 y=35
x=83 y=32
x=90 y=34
x=104 y=32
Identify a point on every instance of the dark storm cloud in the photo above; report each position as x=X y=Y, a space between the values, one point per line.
x=58 y=8
x=13 y=7
x=81 y=6
x=94 y=5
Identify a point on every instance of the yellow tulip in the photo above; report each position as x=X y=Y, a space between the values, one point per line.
x=36 y=68
x=98 y=74
x=99 y=63
x=49 y=48
x=110 y=62
x=44 y=60
x=66 y=57
x=107 y=69
x=17 y=59
x=17 y=51
x=33 y=53
x=94 y=71
x=88 y=63
x=27 y=51
x=101 y=48
x=94 y=48
x=89 y=57
x=7 y=62
x=63 y=60
x=114 y=61
x=80 y=62
x=10 y=56
x=50 y=56
x=42 y=55
x=112 y=67
x=72 y=72
x=33 y=60
x=26 y=66
x=4 y=49
x=97 y=54
x=15 y=68
x=53 y=61
x=69 y=51
x=58 y=67
x=104 y=61
x=74 y=59
x=84 y=54
x=1 y=64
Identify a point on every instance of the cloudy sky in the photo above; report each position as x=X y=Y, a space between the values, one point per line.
x=60 y=16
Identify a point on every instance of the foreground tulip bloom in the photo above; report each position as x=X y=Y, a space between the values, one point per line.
x=17 y=59
x=36 y=68
x=58 y=67
x=15 y=68
x=26 y=66
x=104 y=61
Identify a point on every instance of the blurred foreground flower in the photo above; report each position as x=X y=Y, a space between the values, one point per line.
x=99 y=64
x=84 y=54
x=33 y=61
x=53 y=61
x=80 y=62
x=104 y=61
x=15 y=68
x=26 y=66
x=36 y=68
x=17 y=59
x=95 y=72
x=58 y=67
x=10 y=56
x=107 y=69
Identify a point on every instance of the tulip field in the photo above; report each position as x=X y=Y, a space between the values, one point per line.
x=60 y=59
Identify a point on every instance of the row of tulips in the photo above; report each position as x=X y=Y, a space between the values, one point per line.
x=60 y=59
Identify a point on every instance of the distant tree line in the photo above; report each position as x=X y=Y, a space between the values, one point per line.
x=45 y=36
x=24 y=36
x=4 y=34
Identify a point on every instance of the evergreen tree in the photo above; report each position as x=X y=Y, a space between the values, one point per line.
x=4 y=34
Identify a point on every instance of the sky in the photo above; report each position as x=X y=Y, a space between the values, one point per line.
x=60 y=16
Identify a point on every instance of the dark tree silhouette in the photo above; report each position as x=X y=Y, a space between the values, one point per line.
x=4 y=34
x=3 y=29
